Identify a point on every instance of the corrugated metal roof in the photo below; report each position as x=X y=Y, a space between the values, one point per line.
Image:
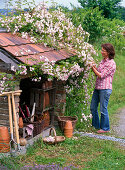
x=27 y=52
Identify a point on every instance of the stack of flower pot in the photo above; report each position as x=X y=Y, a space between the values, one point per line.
x=4 y=139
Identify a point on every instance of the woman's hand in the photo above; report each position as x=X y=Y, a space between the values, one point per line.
x=92 y=64
x=94 y=69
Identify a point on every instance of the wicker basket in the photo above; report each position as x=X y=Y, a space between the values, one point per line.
x=62 y=120
x=37 y=127
x=53 y=140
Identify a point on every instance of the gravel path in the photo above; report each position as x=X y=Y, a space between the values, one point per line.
x=104 y=137
x=118 y=130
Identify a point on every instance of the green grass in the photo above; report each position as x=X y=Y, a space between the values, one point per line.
x=118 y=96
x=117 y=99
x=81 y=152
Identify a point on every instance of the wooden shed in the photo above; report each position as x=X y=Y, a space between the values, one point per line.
x=49 y=97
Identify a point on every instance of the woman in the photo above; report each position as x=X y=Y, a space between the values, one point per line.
x=103 y=88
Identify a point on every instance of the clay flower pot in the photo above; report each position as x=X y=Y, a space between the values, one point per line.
x=46 y=84
x=68 y=129
x=43 y=86
x=46 y=100
x=49 y=84
x=46 y=118
x=4 y=139
x=20 y=122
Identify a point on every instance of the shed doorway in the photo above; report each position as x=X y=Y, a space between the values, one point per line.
x=37 y=102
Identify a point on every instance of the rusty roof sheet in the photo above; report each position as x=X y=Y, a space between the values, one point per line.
x=9 y=39
x=26 y=52
x=22 y=50
x=27 y=60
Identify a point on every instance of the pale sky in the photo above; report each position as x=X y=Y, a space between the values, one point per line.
x=65 y=3
x=74 y=2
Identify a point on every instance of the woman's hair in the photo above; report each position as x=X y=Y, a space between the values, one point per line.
x=110 y=49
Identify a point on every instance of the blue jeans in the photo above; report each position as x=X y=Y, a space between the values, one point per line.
x=102 y=97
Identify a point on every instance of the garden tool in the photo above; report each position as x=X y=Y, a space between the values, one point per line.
x=33 y=112
x=24 y=117
x=10 y=92
x=12 y=141
x=27 y=111
x=15 y=121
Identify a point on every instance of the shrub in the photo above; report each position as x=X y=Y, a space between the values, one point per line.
x=90 y=21
x=113 y=33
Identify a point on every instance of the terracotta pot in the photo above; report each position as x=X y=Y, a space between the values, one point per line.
x=20 y=122
x=46 y=118
x=46 y=84
x=68 y=129
x=4 y=139
x=44 y=101
x=46 y=98
x=49 y=84
x=43 y=86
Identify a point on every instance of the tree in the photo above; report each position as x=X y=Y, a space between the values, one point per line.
x=122 y=12
x=91 y=21
x=109 y=8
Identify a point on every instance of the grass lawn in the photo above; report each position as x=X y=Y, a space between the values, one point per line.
x=80 y=152
x=117 y=99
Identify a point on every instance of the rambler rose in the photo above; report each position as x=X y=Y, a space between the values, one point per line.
x=54 y=29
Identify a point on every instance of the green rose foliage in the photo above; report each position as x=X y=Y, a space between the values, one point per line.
x=55 y=29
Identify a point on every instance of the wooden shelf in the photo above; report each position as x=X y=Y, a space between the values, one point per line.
x=50 y=108
x=39 y=96
x=51 y=88
x=41 y=111
x=43 y=90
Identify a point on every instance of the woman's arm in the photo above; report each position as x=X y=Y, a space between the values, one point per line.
x=96 y=71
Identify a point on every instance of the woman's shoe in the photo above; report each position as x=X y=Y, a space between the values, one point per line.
x=102 y=131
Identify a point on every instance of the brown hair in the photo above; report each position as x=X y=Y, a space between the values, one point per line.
x=110 y=49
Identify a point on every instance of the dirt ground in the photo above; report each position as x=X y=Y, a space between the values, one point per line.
x=119 y=129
